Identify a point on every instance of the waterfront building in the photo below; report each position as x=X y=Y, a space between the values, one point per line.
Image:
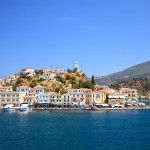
x=30 y=99
x=95 y=98
x=24 y=89
x=56 y=99
x=43 y=98
x=117 y=98
x=78 y=96
x=132 y=93
x=15 y=98
x=67 y=100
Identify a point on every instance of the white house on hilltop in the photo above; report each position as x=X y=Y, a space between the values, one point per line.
x=56 y=70
x=27 y=70
x=48 y=75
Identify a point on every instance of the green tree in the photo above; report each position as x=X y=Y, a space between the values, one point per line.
x=57 y=89
x=75 y=70
x=80 y=83
x=14 y=87
x=73 y=81
x=33 y=84
x=22 y=75
x=68 y=77
x=93 y=80
x=46 y=90
x=107 y=98
x=40 y=80
x=60 y=79
x=63 y=91
x=69 y=70
x=88 y=84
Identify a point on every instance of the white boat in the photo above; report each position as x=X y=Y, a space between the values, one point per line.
x=24 y=107
x=9 y=107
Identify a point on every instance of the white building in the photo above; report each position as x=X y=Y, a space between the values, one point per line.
x=2 y=82
x=78 y=96
x=24 y=89
x=56 y=70
x=67 y=100
x=17 y=74
x=48 y=75
x=76 y=65
x=131 y=93
x=37 y=90
x=56 y=99
x=28 y=70
x=6 y=89
x=43 y=98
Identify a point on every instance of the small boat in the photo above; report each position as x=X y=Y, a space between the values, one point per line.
x=93 y=108
x=24 y=107
x=9 y=108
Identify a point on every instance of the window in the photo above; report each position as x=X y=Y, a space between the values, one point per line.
x=97 y=95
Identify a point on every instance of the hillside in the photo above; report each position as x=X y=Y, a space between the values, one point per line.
x=138 y=71
x=59 y=83
x=141 y=84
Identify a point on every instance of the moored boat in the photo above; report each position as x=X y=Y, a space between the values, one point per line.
x=9 y=108
x=24 y=107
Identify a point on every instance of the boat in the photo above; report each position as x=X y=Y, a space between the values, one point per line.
x=24 y=107
x=9 y=108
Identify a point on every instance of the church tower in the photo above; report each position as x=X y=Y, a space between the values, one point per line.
x=76 y=65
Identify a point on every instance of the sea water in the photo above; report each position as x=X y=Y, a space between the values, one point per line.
x=75 y=130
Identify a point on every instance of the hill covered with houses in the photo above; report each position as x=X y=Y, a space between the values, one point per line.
x=52 y=79
x=61 y=88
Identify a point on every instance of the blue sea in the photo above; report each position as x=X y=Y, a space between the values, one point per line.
x=75 y=130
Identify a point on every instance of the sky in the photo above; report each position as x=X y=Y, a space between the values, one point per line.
x=104 y=36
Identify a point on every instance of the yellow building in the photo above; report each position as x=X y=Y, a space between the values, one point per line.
x=95 y=98
x=31 y=98
x=15 y=98
x=117 y=98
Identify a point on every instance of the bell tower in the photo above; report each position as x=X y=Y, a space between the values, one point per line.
x=76 y=65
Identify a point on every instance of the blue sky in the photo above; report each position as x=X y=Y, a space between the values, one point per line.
x=104 y=36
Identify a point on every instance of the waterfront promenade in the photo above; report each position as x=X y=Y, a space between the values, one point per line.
x=87 y=109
